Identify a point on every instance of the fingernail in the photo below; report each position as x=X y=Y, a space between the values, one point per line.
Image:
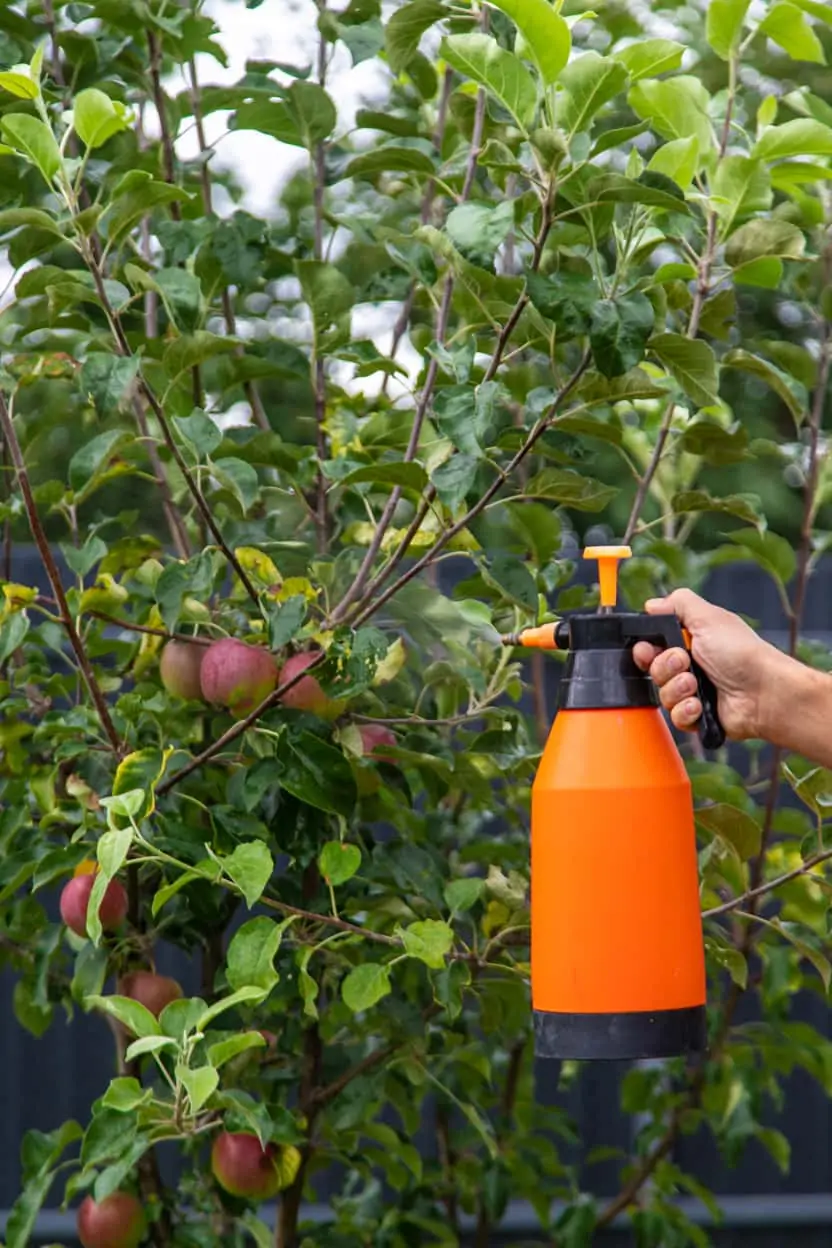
x=653 y=602
x=691 y=709
x=674 y=664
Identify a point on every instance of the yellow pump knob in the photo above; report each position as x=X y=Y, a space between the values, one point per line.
x=608 y=559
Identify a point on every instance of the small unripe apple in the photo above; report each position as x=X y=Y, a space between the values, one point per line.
x=152 y=991
x=307 y=694
x=243 y=1167
x=374 y=737
x=179 y=668
x=75 y=897
x=117 y=1221
x=237 y=676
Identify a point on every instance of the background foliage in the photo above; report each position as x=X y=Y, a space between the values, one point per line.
x=608 y=236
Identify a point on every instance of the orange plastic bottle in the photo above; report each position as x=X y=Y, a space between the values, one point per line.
x=617 y=956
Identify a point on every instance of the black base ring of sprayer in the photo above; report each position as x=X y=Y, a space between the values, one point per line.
x=620 y=1037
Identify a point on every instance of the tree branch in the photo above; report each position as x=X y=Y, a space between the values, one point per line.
x=123 y=348
x=501 y=477
x=51 y=568
x=805 y=868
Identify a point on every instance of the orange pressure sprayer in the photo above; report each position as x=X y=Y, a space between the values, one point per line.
x=618 y=965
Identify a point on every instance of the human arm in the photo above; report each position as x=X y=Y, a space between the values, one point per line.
x=762 y=693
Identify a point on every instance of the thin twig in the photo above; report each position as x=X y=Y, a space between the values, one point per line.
x=499 y=480
x=735 y=903
x=51 y=568
x=123 y=348
x=147 y=628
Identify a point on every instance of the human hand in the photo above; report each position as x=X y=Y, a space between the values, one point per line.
x=741 y=665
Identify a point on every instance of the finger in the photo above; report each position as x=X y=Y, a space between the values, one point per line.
x=693 y=612
x=676 y=690
x=669 y=663
x=686 y=715
x=644 y=655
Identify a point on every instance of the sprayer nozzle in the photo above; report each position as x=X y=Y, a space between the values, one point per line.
x=542 y=638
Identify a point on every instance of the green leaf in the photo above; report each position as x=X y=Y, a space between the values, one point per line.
x=729 y=958
x=734 y=826
x=313 y=112
x=619 y=332
x=545 y=33
x=149 y=1044
x=338 y=862
x=477 y=230
x=24 y=1212
x=135 y=1017
x=200 y=1083
x=251 y=954
x=404 y=31
x=677 y=108
x=803 y=137
x=724 y=26
x=561 y=485
x=271 y=117
x=453 y=479
x=249 y=993
x=744 y=506
x=200 y=431
x=647 y=58
x=262 y=1234
x=108 y=1137
x=772 y=552
x=775 y=1142
x=766 y=272
x=589 y=83
x=717 y=445
x=793 y=394
x=692 y=363
x=135 y=197
x=429 y=940
x=97 y=118
x=501 y=73
x=567 y=300
x=12 y=634
x=316 y=773
x=650 y=188
x=461 y=895
x=250 y=866
x=13 y=218
x=240 y=478
x=461 y=419
x=786 y=26
x=762 y=237
x=365 y=986
x=190 y=350
x=410 y=475
x=19 y=84
x=33 y=139
x=388 y=158
x=513 y=580
x=678 y=160
x=125 y=1094
x=327 y=291
x=224 y=1050
x=285 y=620
x=182 y=295
x=794 y=934
x=740 y=187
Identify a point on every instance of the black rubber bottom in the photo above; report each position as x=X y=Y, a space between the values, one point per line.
x=620 y=1037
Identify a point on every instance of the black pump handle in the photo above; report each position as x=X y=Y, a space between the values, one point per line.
x=666 y=631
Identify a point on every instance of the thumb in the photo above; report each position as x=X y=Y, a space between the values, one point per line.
x=693 y=612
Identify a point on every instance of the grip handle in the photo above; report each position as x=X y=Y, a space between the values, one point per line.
x=666 y=631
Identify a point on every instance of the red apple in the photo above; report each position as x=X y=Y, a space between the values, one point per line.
x=117 y=1222
x=373 y=737
x=151 y=990
x=179 y=668
x=243 y=1167
x=237 y=676
x=307 y=694
x=75 y=898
